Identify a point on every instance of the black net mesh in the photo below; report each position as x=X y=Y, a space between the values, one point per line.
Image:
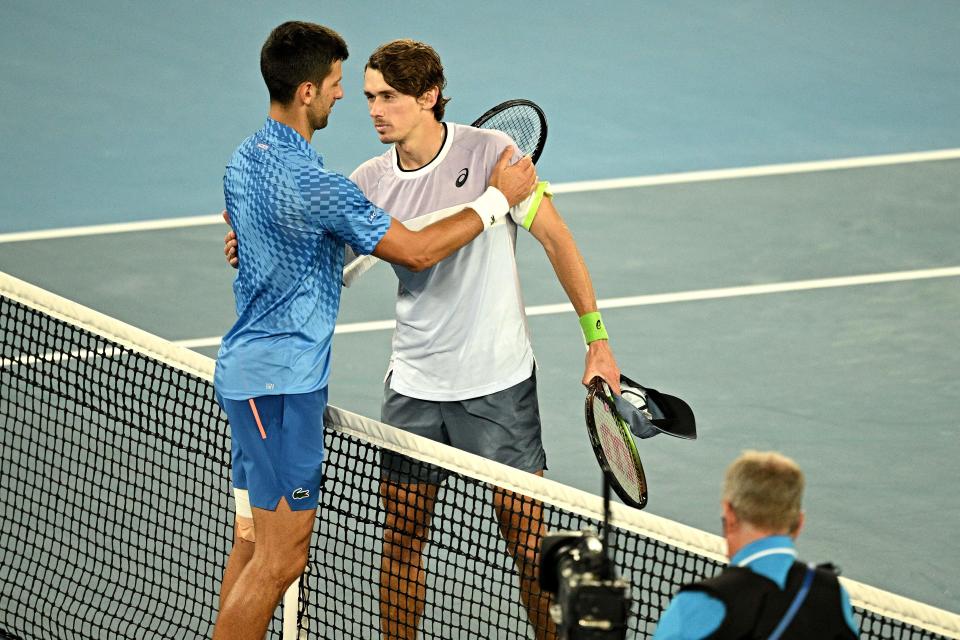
x=116 y=522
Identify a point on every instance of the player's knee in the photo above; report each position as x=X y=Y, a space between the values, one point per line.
x=393 y=534
x=526 y=551
x=402 y=537
x=296 y=567
x=282 y=568
x=414 y=524
x=523 y=545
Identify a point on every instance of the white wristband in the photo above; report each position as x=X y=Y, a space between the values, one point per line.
x=492 y=207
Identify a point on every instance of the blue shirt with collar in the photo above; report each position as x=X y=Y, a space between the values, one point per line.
x=694 y=615
x=292 y=218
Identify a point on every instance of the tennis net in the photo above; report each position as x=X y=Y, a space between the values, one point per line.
x=116 y=517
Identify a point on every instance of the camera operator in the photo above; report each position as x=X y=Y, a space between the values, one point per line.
x=764 y=590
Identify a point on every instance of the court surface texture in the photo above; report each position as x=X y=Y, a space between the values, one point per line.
x=752 y=186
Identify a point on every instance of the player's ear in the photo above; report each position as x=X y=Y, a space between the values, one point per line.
x=428 y=98
x=306 y=92
x=728 y=514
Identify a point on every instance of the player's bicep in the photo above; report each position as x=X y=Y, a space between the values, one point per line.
x=548 y=227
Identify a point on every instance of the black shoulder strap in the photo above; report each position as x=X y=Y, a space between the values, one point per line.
x=795 y=604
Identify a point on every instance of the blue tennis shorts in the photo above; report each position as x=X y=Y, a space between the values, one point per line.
x=278 y=448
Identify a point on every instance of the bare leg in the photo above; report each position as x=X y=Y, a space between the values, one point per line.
x=409 y=508
x=521 y=523
x=279 y=557
x=239 y=557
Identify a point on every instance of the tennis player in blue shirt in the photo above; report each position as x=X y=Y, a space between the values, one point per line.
x=764 y=592
x=293 y=218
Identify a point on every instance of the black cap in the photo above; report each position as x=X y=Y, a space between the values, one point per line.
x=649 y=412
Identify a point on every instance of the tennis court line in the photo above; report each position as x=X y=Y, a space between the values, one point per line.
x=566 y=187
x=106 y=229
x=668 y=298
x=758 y=171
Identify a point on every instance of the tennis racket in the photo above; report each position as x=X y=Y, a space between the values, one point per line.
x=614 y=446
x=520 y=119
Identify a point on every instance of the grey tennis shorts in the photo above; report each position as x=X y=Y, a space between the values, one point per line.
x=503 y=426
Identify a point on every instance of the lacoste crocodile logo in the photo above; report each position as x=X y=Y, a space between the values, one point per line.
x=301 y=493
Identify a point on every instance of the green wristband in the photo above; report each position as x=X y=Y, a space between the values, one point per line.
x=543 y=189
x=593 y=327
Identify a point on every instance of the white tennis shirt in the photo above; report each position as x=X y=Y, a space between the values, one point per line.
x=461 y=328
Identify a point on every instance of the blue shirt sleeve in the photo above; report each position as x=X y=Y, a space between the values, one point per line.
x=848 y=611
x=338 y=207
x=692 y=615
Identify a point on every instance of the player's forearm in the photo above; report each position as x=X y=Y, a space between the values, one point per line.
x=432 y=244
x=571 y=270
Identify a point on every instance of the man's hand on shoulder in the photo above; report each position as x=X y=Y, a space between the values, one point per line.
x=516 y=181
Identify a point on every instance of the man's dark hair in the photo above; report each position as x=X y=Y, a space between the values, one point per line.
x=412 y=68
x=298 y=52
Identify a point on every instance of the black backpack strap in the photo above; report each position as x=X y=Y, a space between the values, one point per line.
x=795 y=604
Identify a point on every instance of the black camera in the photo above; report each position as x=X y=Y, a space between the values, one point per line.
x=590 y=601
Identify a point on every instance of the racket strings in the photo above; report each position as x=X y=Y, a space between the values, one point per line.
x=614 y=445
x=615 y=449
x=522 y=123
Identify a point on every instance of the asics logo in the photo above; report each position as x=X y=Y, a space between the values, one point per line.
x=301 y=493
x=462 y=177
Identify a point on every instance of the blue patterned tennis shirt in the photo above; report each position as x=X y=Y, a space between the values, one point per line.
x=292 y=218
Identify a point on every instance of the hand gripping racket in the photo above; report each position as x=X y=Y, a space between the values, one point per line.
x=520 y=119
x=614 y=446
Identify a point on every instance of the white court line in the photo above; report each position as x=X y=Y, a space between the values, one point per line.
x=120 y=227
x=667 y=298
x=567 y=187
x=756 y=172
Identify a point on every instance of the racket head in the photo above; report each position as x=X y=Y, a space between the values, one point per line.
x=614 y=446
x=523 y=120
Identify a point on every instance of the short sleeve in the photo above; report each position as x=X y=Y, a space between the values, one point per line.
x=692 y=615
x=336 y=205
x=502 y=142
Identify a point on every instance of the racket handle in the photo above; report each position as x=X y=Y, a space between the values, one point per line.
x=357 y=268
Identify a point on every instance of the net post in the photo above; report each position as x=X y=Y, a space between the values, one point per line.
x=291 y=611
x=605 y=540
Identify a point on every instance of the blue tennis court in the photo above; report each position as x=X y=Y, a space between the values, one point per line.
x=808 y=309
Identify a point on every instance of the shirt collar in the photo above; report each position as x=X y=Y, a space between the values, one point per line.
x=771 y=545
x=287 y=136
